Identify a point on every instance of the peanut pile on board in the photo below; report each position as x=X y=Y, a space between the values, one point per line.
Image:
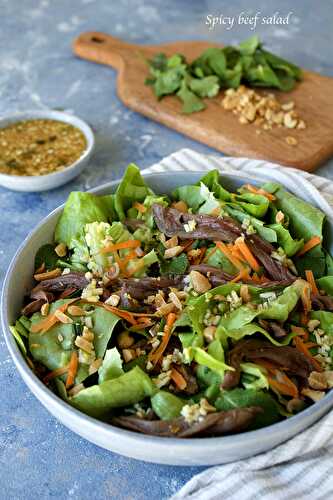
x=262 y=110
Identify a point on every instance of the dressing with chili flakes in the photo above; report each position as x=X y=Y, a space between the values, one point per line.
x=39 y=147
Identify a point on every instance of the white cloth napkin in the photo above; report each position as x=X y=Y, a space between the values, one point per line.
x=299 y=469
x=302 y=467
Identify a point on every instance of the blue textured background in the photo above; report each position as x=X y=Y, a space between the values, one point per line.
x=38 y=456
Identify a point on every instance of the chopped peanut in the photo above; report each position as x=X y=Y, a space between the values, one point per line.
x=125 y=340
x=175 y=300
x=266 y=111
x=279 y=218
x=45 y=309
x=113 y=300
x=209 y=333
x=128 y=355
x=62 y=317
x=199 y=282
x=172 y=242
x=181 y=206
x=84 y=344
x=173 y=252
x=61 y=250
x=329 y=378
x=317 y=380
x=95 y=365
x=314 y=395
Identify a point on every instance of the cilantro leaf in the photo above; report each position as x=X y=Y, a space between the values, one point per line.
x=177 y=265
x=46 y=255
x=191 y=102
x=205 y=87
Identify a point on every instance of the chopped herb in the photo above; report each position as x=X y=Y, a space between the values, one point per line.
x=219 y=68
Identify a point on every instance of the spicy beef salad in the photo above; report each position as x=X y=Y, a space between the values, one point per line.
x=202 y=313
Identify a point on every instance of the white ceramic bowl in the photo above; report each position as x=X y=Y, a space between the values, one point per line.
x=173 y=451
x=29 y=183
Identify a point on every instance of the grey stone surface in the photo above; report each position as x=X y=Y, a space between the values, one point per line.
x=38 y=456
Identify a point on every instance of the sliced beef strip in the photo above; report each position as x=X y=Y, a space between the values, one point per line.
x=277 y=329
x=218 y=423
x=322 y=302
x=252 y=349
x=171 y=222
x=42 y=294
x=273 y=268
x=33 y=307
x=59 y=284
x=273 y=327
x=141 y=288
x=218 y=277
x=215 y=275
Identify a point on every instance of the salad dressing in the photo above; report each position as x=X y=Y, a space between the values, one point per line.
x=39 y=147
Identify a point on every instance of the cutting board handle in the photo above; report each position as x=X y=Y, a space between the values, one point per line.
x=102 y=48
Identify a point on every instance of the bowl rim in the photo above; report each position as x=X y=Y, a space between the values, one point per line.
x=200 y=443
x=50 y=114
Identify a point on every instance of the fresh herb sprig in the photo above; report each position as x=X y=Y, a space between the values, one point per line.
x=219 y=68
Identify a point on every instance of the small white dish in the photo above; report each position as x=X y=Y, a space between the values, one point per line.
x=29 y=183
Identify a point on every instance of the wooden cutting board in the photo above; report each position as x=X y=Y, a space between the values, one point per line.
x=215 y=126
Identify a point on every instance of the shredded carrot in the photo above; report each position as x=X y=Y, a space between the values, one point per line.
x=126 y=315
x=156 y=355
x=309 y=345
x=285 y=386
x=311 y=243
x=119 y=312
x=304 y=319
x=225 y=250
x=310 y=279
x=306 y=298
x=264 y=279
x=236 y=253
x=56 y=373
x=123 y=245
x=178 y=379
x=301 y=347
x=271 y=367
x=300 y=331
x=255 y=278
x=46 y=323
x=247 y=254
x=129 y=256
x=261 y=191
x=118 y=260
x=72 y=369
x=141 y=324
x=140 y=207
x=200 y=257
x=242 y=275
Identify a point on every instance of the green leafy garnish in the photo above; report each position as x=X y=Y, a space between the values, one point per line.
x=177 y=265
x=218 y=68
x=46 y=255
